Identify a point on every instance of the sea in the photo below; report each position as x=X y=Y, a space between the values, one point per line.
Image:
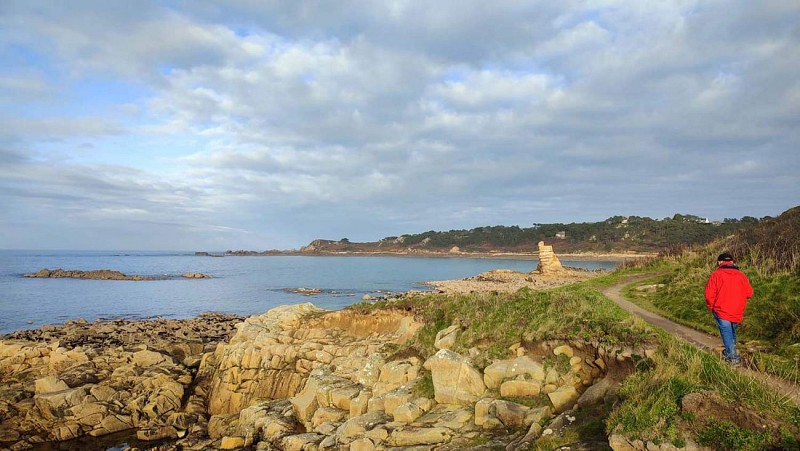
x=244 y=285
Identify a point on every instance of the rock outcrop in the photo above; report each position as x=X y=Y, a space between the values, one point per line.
x=98 y=274
x=102 y=274
x=60 y=383
x=301 y=378
x=272 y=355
x=295 y=378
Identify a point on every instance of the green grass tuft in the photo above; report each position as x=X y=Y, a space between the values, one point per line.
x=727 y=435
x=424 y=387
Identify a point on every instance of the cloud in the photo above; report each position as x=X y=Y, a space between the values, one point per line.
x=273 y=123
x=57 y=128
x=126 y=39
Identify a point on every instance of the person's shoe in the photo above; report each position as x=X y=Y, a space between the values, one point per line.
x=735 y=363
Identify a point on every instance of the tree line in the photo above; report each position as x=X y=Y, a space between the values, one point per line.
x=615 y=233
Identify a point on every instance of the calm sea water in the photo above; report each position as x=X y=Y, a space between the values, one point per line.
x=241 y=285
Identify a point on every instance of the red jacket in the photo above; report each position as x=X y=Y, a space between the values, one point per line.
x=727 y=292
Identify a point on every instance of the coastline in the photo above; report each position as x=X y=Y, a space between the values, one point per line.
x=40 y=301
x=166 y=381
x=587 y=256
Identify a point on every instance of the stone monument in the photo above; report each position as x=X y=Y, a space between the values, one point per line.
x=548 y=261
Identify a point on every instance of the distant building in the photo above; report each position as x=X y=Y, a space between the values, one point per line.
x=561 y=235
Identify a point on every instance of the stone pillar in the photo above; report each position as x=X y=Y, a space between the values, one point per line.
x=548 y=261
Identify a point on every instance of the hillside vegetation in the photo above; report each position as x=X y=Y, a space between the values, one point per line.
x=615 y=234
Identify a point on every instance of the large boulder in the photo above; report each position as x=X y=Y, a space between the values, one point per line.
x=520 y=389
x=596 y=393
x=146 y=358
x=522 y=367
x=416 y=436
x=455 y=379
x=410 y=411
x=563 y=398
x=49 y=384
x=358 y=427
x=511 y=414
x=446 y=338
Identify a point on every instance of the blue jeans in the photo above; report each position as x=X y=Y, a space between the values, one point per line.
x=727 y=331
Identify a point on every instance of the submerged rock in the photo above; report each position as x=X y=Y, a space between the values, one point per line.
x=98 y=274
x=102 y=274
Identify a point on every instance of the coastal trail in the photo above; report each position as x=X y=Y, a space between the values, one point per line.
x=699 y=339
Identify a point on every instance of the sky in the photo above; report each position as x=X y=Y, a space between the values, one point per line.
x=252 y=124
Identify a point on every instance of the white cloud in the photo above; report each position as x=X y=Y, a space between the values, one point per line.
x=490 y=89
x=404 y=114
x=57 y=128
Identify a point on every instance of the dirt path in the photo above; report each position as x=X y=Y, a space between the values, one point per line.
x=697 y=338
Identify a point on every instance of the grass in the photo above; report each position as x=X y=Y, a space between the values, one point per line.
x=492 y=322
x=651 y=399
x=424 y=387
x=686 y=314
x=558 y=362
x=727 y=435
x=631 y=267
x=649 y=403
x=772 y=318
x=650 y=407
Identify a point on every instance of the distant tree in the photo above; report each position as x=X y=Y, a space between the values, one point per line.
x=617 y=232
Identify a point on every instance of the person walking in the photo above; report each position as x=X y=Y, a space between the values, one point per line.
x=727 y=292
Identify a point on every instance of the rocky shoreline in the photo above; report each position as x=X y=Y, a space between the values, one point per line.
x=295 y=378
x=299 y=378
x=94 y=379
